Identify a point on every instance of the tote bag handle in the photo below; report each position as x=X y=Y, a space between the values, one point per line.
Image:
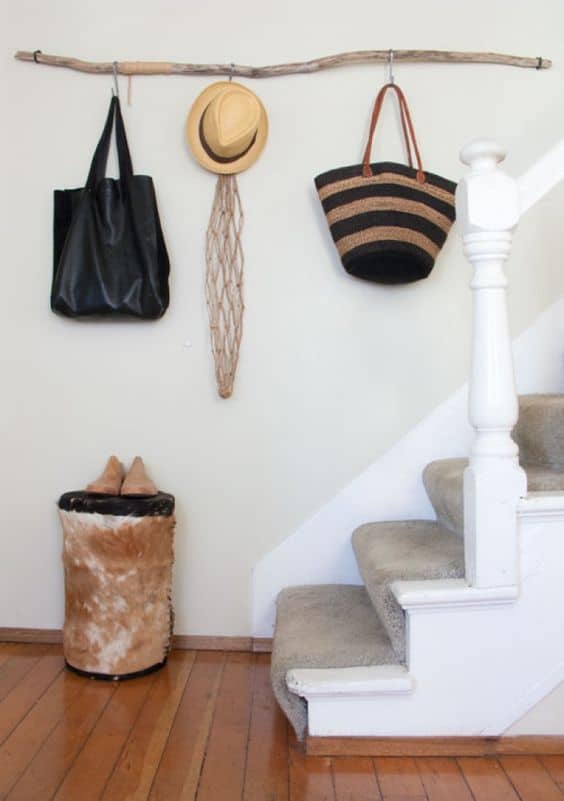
x=100 y=158
x=407 y=127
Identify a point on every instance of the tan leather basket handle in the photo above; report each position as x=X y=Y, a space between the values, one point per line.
x=407 y=127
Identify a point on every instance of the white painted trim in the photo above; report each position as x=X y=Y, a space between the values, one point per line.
x=443 y=594
x=519 y=707
x=479 y=659
x=350 y=682
x=541 y=506
x=487 y=211
x=320 y=552
x=543 y=176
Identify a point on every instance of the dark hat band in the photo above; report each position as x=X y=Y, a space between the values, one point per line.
x=209 y=151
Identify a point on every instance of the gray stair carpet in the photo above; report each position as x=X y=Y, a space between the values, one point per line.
x=539 y=432
x=414 y=549
x=324 y=626
x=443 y=481
x=346 y=626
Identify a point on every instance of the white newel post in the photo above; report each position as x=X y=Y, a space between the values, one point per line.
x=487 y=206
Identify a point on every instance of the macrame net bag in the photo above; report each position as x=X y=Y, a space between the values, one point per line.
x=224 y=281
x=226 y=130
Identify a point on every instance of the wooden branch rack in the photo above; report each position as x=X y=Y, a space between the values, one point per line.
x=303 y=67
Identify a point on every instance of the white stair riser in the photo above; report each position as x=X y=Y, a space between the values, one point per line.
x=477 y=667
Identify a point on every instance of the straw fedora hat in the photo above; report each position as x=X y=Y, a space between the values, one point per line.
x=226 y=128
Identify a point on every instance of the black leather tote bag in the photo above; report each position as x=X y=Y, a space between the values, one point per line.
x=109 y=252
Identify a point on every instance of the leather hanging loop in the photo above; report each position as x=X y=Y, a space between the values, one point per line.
x=124 y=156
x=403 y=102
x=100 y=157
x=407 y=128
x=403 y=120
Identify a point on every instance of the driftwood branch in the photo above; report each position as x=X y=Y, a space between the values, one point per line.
x=328 y=62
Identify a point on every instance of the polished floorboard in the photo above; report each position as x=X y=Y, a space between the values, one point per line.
x=207 y=728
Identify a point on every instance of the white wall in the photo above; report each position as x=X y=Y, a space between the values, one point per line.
x=391 y=488
x=333 y=371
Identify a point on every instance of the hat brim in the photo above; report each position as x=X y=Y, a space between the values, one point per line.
x=195 y=143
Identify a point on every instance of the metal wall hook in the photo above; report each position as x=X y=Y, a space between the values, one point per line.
x=391 y=66
x=116 y=85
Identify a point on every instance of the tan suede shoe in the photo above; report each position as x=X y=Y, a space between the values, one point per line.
x=109 y=482
x=137 y=482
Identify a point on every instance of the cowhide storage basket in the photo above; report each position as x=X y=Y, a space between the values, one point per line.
x=117 y=555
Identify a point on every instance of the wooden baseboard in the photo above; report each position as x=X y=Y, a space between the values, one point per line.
x=48 y=636
x=433 y=746
x=262 y=645
x=193 y=642
x=181 y=641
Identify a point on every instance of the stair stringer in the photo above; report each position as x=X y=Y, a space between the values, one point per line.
x=478 y=660
x=319 y=551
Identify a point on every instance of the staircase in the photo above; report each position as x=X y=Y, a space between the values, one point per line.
x=343 y=626
x=456 y=631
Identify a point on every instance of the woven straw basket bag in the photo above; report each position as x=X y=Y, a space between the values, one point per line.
x=388 y=221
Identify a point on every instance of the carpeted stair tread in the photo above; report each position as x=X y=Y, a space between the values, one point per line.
x=443 y=481
x=324 y=626
x=414 y=549
x=544 y=479
x=539 y=432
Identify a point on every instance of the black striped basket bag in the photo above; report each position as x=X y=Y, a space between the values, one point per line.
x=388 y=220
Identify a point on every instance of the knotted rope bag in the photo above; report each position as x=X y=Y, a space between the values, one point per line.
x=388 y=221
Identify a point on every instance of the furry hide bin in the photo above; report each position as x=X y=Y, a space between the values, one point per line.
x=118 y=576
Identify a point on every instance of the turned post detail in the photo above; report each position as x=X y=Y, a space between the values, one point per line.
x=487 y=205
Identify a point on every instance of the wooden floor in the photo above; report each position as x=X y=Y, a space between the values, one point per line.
x=207 y=727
